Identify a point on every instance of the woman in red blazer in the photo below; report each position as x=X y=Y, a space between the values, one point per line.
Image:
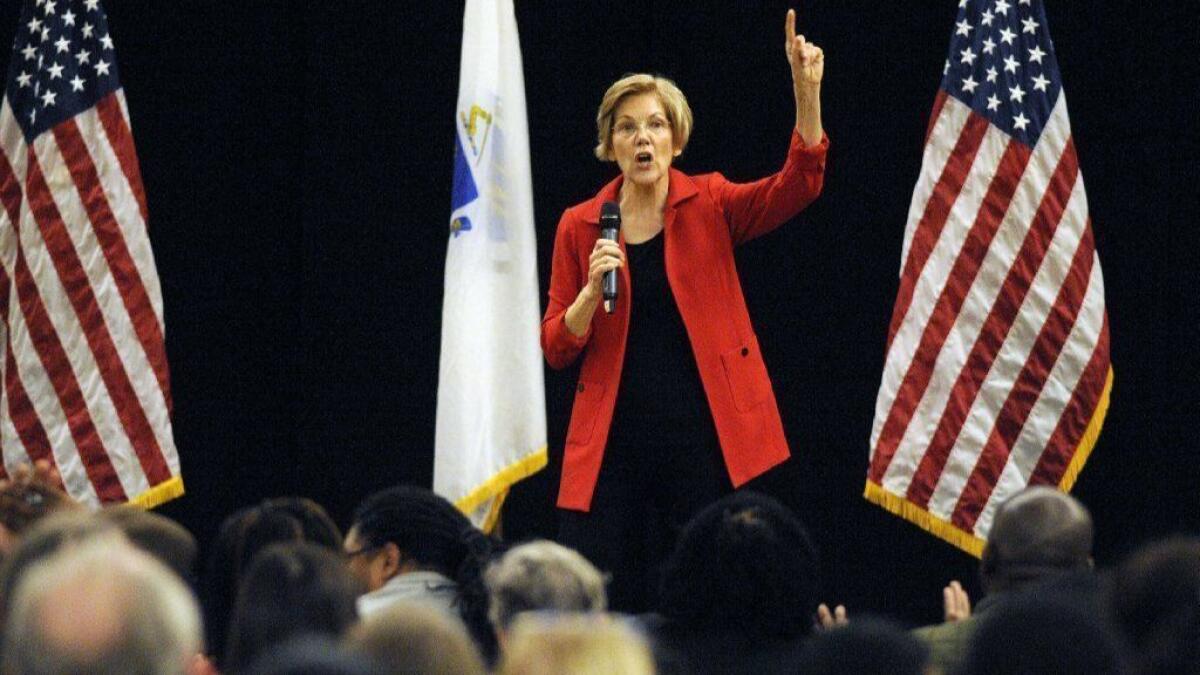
x=673 y=406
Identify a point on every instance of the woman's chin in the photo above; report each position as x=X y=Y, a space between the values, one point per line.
x=643 y=178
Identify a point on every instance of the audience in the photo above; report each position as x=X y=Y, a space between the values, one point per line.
x=102 y=607
x=1037 y=534
x=413 y=588
x=865 y=647
x=262 y=527
x=241 y=536
x=577 y=644
x=1052 y=628
x=290 y=589
x=739 y=591
x=161 y=537
x=221 y=581
x=315 y=524
x=407 y=543
x=413 y=638
x=26 y=496
x=1154 y=597
x=541 y=575
x=50 y=535
x=314 y=655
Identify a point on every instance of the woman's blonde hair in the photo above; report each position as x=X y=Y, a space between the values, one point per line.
x=579 y=644
x=674 y=103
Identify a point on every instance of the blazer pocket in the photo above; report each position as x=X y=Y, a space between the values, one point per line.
x=747 y=375
x=588 y=398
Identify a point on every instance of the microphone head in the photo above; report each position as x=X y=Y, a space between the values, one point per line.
x=610 y=215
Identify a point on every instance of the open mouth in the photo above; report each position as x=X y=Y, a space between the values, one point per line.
x=643 y=159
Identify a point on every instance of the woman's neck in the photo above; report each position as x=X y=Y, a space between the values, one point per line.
x=641 y=209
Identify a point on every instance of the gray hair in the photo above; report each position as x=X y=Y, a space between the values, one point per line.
x=542 y=575
x=101 y=607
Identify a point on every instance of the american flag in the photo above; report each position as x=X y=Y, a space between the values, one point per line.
x=997 y=373
x=85 y=381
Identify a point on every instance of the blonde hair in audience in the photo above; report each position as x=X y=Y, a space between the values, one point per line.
x=414 y=637
x=580 y=644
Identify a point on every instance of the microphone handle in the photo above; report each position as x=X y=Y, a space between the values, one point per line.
x=609 y=282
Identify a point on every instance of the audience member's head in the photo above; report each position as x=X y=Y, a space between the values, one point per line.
x=411 y=638
x=1155 y=602
x=43 y=540
x=865 y=647
x=542 y=575
x=241 y=536
x=161 y=537
x=744 y=563
x=263 y=526
x=1038 y=532
x=1050 y=629
x=410 y=529
x=290 y=589
x=592 y=644
x=313 y=655
x=221 y=580
x=315 y=524
x=102 y=607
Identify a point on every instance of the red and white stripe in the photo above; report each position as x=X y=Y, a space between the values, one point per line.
x=85 y=373
x=997 y=348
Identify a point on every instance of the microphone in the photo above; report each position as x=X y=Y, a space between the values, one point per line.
x=610 y=226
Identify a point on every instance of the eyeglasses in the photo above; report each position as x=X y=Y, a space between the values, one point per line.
x=627 y=128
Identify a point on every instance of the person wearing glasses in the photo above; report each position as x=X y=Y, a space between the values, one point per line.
x=408 y=544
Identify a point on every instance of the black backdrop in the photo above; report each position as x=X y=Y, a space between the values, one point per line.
x=297 y=158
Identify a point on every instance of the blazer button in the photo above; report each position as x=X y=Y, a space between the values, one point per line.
x=580 y=386
x=745 y=351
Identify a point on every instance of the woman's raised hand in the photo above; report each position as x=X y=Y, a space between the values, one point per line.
x=808 y=68
x=807 y=59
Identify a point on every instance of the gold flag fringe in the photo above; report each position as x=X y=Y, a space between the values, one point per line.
x=159 y=494
x=966 y=541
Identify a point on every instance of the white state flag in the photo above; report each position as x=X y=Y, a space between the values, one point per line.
x=491 y=411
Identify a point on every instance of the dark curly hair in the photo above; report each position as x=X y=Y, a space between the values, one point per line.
x=433 y=533
x=745 y=563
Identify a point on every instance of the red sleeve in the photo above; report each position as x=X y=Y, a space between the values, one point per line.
x=753 y=209
x=559 y=344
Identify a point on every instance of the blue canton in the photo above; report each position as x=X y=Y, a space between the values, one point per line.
x=63 y=62
x=1002 y=65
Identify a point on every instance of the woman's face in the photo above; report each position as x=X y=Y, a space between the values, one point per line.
x=642 y=140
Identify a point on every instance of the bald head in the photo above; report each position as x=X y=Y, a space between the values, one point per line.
x=101 y=607
x=1037 y=532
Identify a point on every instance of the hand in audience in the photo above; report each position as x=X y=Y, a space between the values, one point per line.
x=827 y=619
x=42 y=471
x=41 y=479
x=28 y=494
x=955 y=602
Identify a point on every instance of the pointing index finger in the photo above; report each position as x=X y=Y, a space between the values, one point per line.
x=789 y=26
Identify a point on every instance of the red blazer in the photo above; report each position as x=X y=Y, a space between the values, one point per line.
x=705 y=217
